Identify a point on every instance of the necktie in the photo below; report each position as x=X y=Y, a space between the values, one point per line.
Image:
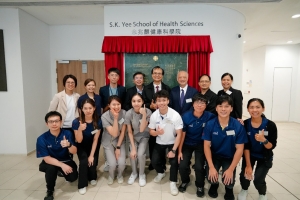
x=181 y=97
x=157 y=88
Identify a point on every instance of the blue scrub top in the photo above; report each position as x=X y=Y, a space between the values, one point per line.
x=256 y=147
x=193 y=127
x=49 y=145
x=223 y=141
x=97 y=99
x=88 y=137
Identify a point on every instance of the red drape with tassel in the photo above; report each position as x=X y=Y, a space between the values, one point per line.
x=197 y=47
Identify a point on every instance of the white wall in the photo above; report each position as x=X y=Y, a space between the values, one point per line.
x=222 y=24
x=260 y=64
x=35 y=53
x=74 y=42
x=12 y=121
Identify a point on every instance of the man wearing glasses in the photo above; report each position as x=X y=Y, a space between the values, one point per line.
x=155 y=86
x=55 y=147
x=204 y=83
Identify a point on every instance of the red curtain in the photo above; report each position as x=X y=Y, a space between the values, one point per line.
x=197 y=47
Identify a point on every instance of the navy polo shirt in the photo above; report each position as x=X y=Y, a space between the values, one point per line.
x=193 y=127
x=88 y=137
x=49 y=145
x=223 y=141
x=256 y=147
x=97 y=99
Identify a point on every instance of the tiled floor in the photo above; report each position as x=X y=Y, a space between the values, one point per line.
x=20 y=178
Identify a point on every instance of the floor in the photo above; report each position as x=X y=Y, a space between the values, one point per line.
x=20 y=178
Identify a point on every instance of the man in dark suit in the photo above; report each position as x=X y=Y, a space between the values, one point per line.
x=155 y=86
x=204 y=83
x=181 y=95
x=138 y=79
x=112 y=88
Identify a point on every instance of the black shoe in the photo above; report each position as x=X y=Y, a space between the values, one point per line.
x=213 y=190
x=49 y=195
x=150 y=167
x=200 y=191
x=182 y=187
x=228 y=194
x=60 y=174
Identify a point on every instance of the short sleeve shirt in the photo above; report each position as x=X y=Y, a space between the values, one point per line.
x=170 y=123
x=108 y=120
x=134 y=119
x=223 y=141
x=49 y=145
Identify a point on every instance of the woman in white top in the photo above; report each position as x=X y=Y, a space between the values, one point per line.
x=137 y=119
x=65 y=102
x=113 y=138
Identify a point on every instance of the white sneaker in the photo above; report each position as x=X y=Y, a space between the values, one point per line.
x=93 y=182
x=243 y=195
x=120 y=179
x=159 y=176
x=142 y=180
x=173 y=188
x=106 y=167
x=132 y=178
x=262 y=197
x=110 y=180
x=82 y=190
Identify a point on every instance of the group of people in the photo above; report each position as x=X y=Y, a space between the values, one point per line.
x=173 y=123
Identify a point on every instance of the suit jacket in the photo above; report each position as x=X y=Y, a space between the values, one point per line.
x=211 y=97
x=104 y=94
x=129 y=94
x=237 y=98
x=59 y=104
x=149 y=93
x=97 y=100
x=175 y=99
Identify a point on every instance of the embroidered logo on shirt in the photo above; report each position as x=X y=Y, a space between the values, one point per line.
x=249 y=133
x=215 y=133
x=49 y=146
x=191 y=125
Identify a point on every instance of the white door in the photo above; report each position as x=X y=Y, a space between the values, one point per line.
x=282 y=84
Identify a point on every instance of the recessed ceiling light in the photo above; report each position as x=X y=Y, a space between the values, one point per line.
x=296 y=16
x=289 y=42
x=244 y=42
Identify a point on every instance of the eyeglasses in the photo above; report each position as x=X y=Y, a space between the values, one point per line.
x=200 y=103
x=204 y=81
x=52 y=122
x=70 y=83
x=155 y=73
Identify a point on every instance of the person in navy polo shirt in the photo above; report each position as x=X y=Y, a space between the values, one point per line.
x=55 y=147
x=193 y=124
x=224 y=139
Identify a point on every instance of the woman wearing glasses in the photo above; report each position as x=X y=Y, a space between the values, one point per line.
x=87 y=130
x=65 y=102
x=113 y=137
x=137 y=119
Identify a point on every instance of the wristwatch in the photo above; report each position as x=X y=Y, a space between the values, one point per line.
x=266 y=141
x=174 y=151
x=118 y=147
x=70 y=145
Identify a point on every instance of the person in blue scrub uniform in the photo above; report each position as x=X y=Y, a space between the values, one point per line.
x=193 y=124
x=224 y=138
x=262 y=139
x=55 y=147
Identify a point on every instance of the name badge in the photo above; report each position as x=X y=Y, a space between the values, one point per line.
x=228 y=92
x=230 y=132
x=121 y=121
x=188 y=100
x=266 y=133
x=94 y=131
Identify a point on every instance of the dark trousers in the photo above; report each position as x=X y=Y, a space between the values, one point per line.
x=184 y=165
x=51 y=173
x=224 y=163
x=261 y=171
x=158 y=158
x=86 y=173
x=151 y=144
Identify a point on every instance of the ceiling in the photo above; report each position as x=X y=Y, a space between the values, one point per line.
x=268 y=22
